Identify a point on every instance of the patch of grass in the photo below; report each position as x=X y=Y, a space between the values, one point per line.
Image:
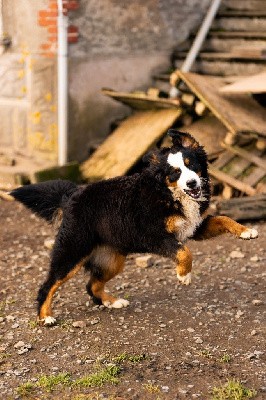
x=135 y=358
x=151 y=388
x=232 y=390
x=48 y=382
x=92 y=396
x=25 y=389
x=226 y=358
x=205 y=353
x=106 y=375
x=33 y=324
x=3 y=304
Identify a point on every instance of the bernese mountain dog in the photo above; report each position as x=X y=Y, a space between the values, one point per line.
x=155 y=211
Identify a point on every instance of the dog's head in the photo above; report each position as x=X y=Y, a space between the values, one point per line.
x=183 y=167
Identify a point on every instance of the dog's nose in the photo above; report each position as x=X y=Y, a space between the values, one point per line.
x=192 y=184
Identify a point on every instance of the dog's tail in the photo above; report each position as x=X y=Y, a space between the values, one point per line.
x=45 y=198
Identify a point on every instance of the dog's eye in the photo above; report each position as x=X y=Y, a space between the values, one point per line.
x=174 y=176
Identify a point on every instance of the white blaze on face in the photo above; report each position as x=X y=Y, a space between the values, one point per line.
x=176 y=161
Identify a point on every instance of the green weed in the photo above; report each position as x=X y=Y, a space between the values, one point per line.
x=25 y=389
x=106 y=375
x=48 y=382
x=232 y=390
x=226 y=358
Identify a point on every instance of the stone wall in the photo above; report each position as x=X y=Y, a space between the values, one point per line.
x=120 y=45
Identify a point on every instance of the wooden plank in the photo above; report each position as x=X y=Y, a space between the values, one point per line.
x=238 y=34
x=127 y=144
x=223 y=159
x=252 y=55
x=252 y=84
x=238 y=112
x=141 y=101
x=244 y=208
x=254 y=177
x=209 y=132
x=247 y=155
x=221 y=176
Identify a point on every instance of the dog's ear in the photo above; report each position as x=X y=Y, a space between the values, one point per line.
x=151 y=158
x=182 y=139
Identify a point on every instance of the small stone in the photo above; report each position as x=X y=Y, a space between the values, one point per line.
x=49 y=243
x=95 y=321
x=199 y=340
x=257 y=302
x=236 y=254
x=190 y=330
x=19 y=344
x=165 y=389
x=253 y=332
x=79 y=324
x=10 y=318
x=1 y=319
x=144 y=261
x=254 y=258
x=14 y=326
x=239 y=314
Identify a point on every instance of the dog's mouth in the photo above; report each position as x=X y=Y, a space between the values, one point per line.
x=194 y=193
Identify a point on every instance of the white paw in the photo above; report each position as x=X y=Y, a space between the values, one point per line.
x=184 y=279
x=49 y=321
x=249 y=234
x=119 y=303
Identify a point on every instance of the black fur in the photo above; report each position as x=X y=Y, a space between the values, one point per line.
x=126 y=213
x=45 y=198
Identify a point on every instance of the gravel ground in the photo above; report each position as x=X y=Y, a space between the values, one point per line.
x=172 y=342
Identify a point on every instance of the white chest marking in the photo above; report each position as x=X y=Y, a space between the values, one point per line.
x=186 y=226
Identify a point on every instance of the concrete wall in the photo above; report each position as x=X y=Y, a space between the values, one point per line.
x=121 y=44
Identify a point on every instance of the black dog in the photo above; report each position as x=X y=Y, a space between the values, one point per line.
x=155 y=211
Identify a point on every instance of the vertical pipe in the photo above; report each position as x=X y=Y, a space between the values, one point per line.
x=62 y=79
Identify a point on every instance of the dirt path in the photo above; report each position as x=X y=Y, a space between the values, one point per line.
x=172 y=342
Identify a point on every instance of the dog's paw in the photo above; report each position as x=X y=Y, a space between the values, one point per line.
x=48 y=321
x=184 y=279
x=249 y=234
x=119 y=303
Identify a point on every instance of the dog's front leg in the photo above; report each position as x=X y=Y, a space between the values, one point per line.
x=215 y=226
x=184 y=265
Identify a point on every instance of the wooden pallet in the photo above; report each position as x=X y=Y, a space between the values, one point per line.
x=242 y=168
x=128 y=143
x=238 y=112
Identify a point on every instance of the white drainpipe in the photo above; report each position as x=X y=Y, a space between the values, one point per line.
x=62 y=79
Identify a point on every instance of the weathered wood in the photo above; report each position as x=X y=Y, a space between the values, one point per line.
x=244 y=208
x=247 y=155
x=252 y=84
x=141 y=101
x=222 y=176
x=127 y=144
x=238 y=112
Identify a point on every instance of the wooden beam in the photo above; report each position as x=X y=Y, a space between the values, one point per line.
x=245 y=154
x=221 y=176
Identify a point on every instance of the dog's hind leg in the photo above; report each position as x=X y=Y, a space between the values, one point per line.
x=49 y=287
x=215 y=226
x=104 y=264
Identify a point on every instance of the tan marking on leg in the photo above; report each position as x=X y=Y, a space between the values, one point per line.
x=184 y=265
x=46 y=310
x=219 y=225
x=112 y=264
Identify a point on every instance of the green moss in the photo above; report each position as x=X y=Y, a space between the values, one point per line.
x=232 y=390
